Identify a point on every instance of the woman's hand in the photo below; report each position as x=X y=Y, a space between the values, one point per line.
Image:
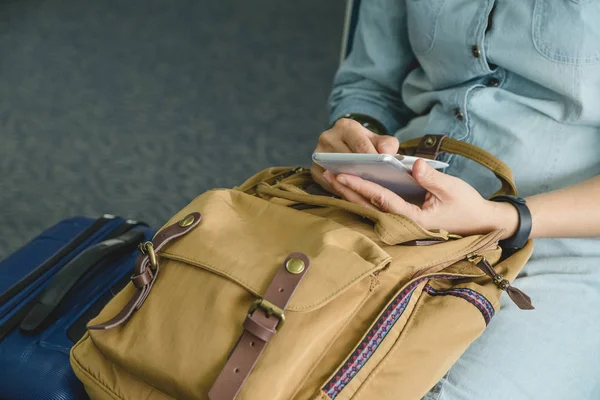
x=349 y=136
x=450 y=203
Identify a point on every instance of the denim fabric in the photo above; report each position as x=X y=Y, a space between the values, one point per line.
x=527 y=89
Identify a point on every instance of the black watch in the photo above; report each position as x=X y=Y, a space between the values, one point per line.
x=518 y=240
x=368 y=122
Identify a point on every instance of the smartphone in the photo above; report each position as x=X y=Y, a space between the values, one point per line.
x=391 y=172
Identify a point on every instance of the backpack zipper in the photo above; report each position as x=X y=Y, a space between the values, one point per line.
x=522 y=300
x=487 y=242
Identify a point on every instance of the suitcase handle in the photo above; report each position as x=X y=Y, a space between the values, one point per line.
x=46 y=266
x=70 y=274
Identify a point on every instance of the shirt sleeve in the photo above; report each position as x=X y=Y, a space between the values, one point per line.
x=369 y=81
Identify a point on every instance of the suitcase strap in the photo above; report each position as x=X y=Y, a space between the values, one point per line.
x=259 y=327
x=40 y=314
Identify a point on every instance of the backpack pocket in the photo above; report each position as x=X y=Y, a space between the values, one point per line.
x=426 y=326
x=410 y=336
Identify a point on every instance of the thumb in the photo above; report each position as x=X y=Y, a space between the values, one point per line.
x=436 y=182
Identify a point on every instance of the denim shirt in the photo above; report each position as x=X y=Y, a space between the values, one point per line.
x=520 y=79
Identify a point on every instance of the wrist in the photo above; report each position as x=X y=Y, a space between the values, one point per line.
x=505 y=216
x=368 y=122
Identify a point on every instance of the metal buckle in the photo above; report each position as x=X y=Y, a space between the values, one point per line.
x=501 y=282
x=148 y=249
x=270 y=309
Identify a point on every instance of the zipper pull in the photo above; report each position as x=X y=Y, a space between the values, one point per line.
x=516 y=295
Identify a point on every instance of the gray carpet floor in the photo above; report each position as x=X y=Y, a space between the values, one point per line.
x=135 y=108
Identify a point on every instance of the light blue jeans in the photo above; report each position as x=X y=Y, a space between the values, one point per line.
x=552 y=352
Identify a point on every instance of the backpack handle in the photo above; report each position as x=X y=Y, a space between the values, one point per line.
x=472 y=152
x=392 y=229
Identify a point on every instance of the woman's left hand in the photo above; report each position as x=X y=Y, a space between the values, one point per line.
x=450 y=203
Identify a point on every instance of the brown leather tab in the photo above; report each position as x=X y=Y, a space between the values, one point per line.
x=143 y=277
x=429 y=146
x=516 y=295
x=259 y=327
x=519 y=298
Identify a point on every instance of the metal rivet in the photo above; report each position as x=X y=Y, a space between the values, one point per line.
x=429 y=142
x=458 y=114
x=187 y=221
x=475 y=51
x=295 y=266
x=493 y=82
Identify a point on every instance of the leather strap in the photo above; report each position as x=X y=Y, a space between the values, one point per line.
x=429 y=146
x=259 y=327
x=144 y=276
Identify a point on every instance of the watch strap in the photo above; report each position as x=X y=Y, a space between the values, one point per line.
x=518 y=240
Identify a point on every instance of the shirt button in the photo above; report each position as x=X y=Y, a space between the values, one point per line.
x=475 y=51
x=458 y=114
x=493 y=82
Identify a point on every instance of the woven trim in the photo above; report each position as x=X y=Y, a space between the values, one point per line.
x=477 y=299
x=374 y=337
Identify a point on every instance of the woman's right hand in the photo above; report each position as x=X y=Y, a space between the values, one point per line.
x=349 y=136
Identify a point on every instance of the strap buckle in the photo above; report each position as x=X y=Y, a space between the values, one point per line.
x=148 y=249
x=270 y=309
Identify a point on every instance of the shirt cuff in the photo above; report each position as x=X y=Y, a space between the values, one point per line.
x=360 y=106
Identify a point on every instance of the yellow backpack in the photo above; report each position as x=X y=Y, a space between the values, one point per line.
x=269 y=291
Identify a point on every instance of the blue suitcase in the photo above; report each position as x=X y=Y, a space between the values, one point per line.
x=49 y=290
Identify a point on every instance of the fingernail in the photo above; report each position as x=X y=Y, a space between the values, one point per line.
x=342 y=180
